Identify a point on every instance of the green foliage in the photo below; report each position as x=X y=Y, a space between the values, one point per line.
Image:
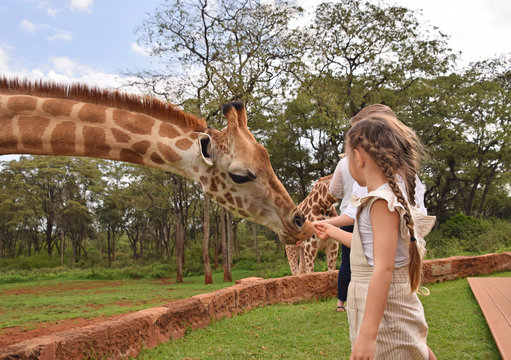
x=466 y=235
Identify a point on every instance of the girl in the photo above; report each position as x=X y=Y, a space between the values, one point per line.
x=342 y=186
x=385 y=315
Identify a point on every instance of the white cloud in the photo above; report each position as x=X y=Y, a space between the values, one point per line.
x=4 y=61
x=65 y=66
x=81 y=5
x=53 y=12
x=139 y=49
x=61 y=36
x=30 y=26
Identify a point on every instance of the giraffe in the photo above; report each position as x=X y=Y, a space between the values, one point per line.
x=318 y=205
x=45 y=118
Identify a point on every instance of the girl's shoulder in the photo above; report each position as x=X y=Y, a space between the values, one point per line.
x=422 y=223
x=383 y=192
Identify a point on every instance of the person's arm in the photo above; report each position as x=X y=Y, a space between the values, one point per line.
x=325 y=231
x=338 y=221
x=385 y=226
x=336 y=187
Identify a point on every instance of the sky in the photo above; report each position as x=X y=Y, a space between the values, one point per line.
x=94 y=41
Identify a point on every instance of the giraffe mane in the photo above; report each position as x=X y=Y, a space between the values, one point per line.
x=113 y=98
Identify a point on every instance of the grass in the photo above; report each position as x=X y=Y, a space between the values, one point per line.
x=309 y=330
x=314 y=330
x=24 y=305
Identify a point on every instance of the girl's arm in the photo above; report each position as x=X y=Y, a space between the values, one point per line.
x=341 y=220
x=385 y=226
x=326 y=230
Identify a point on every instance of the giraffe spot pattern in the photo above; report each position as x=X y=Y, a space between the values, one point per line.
x=168 y=130
x=58 y=107
x=157 y=158
x=134 y=123
x=131 y=156
x=141 y=147
x=21 y=103
x=95 y=114
x=63 y=138
x=31 y=128
x=120 y=136
x=94 y=140
x=229 y=198
x=9 y=140
x=168 y=153
x=183 y=144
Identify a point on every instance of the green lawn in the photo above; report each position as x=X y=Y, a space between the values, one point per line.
x=313 y=330
x=309 y=330
x=29 y=303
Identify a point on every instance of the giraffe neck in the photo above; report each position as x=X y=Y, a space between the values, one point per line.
x=54 y=126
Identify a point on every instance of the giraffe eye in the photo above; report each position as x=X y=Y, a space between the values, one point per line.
x=241 y=179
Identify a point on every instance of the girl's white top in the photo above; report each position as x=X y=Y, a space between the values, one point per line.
x=360 y=191
x=422 y=225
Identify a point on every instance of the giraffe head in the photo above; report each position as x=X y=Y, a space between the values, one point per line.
x=241 y=178
x=234 y=170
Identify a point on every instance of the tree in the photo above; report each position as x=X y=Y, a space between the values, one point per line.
x=354 y=53
x=374 y=49
x=216 y=52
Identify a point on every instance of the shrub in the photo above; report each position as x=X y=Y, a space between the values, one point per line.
x=466 y=235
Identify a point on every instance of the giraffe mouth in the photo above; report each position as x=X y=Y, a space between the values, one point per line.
x=301 y=229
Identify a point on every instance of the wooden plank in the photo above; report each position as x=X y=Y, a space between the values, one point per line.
x=494 y=299
x=501 y=295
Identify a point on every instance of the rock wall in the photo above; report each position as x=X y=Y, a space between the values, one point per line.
x=124 y=337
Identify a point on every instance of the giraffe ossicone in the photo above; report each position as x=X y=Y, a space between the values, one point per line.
x=45 y=118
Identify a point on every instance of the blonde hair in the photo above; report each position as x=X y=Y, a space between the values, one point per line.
x=397 y=150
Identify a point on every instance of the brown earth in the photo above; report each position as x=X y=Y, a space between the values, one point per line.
x=16 y=334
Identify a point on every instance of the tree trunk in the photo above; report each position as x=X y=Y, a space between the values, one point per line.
x=487 y=185
x=230 y=240
x=62 y=248
x=179 y=248
x=225 y=254
x=256 y=243
x=208 y=278
x=48 y=232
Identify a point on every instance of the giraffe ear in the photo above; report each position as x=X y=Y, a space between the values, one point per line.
x=205 y=148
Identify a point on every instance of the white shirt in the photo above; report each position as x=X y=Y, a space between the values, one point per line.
x=341 y=184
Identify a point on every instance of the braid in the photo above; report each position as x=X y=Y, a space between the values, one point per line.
x=388 y=163
x=411 y=189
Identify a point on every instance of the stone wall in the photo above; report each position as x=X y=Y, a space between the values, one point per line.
x=124 y=337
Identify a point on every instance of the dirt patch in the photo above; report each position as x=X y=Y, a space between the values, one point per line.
x=62 y=287
x=13 y=335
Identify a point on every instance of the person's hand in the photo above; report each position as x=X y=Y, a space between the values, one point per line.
x=323 y=230
x=364 y=348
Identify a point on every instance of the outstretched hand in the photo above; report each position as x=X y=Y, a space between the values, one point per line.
x=323 y=230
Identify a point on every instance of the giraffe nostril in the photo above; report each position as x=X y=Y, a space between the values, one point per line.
x=299 y=220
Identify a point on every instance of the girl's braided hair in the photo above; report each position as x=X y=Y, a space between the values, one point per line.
x=397 y=150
